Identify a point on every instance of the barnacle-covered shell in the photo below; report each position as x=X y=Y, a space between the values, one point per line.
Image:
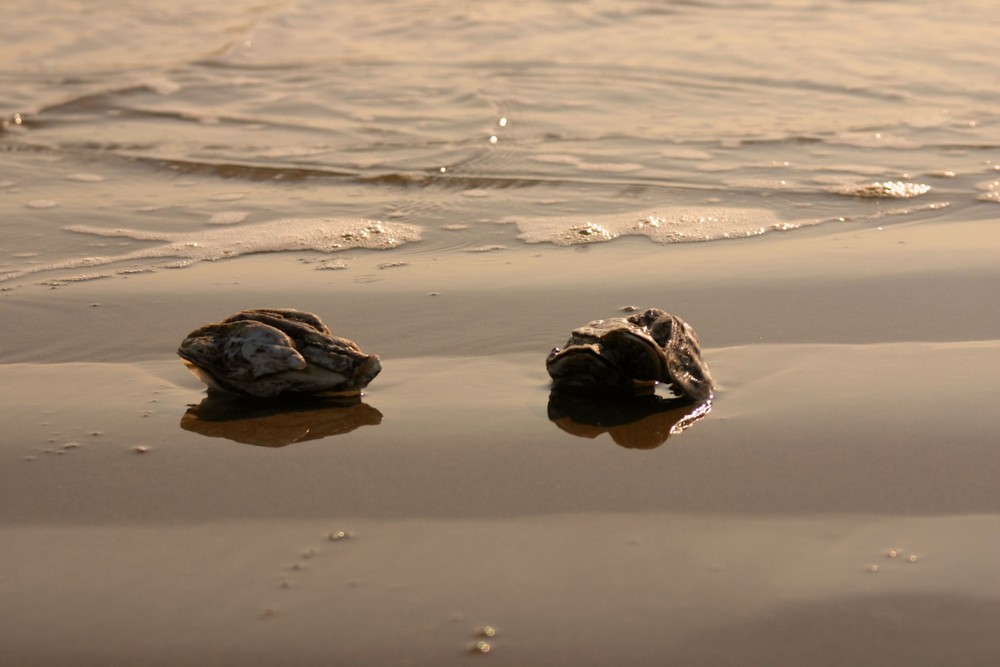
x=268 y=352
x=622 y=353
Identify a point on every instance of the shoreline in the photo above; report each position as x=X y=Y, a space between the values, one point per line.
x=853 y=420
x=909 y=282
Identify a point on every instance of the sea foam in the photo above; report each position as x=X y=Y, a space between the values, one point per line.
x=673 y=225
x=290 y=234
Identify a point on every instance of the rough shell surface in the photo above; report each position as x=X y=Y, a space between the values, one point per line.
x=268 y=352
x=622 y=353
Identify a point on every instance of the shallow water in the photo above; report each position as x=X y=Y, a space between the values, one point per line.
x=482 y=125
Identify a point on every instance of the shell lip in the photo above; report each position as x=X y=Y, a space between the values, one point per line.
x=582 y=367
x=245 y=390
x=227 y=406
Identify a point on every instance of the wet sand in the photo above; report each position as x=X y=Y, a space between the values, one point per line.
x=838 y=505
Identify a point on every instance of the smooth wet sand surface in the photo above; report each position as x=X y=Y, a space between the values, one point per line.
x=837 y=505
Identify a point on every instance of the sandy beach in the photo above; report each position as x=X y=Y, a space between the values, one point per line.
x=813 y=187
x=836 y=505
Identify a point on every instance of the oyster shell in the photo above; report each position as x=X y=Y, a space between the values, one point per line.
x=267 y=352
x=622 y=353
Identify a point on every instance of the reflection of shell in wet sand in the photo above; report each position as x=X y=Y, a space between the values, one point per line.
x=635 y=422
x=627 y=353
x=265 y=352
x=277 y=424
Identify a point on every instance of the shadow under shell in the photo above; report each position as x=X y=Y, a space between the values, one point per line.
x=277 y=422
x=634 y=421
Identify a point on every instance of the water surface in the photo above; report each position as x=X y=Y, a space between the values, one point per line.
x=485 y=124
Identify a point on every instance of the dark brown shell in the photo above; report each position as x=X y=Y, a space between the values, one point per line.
x=624 y=353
